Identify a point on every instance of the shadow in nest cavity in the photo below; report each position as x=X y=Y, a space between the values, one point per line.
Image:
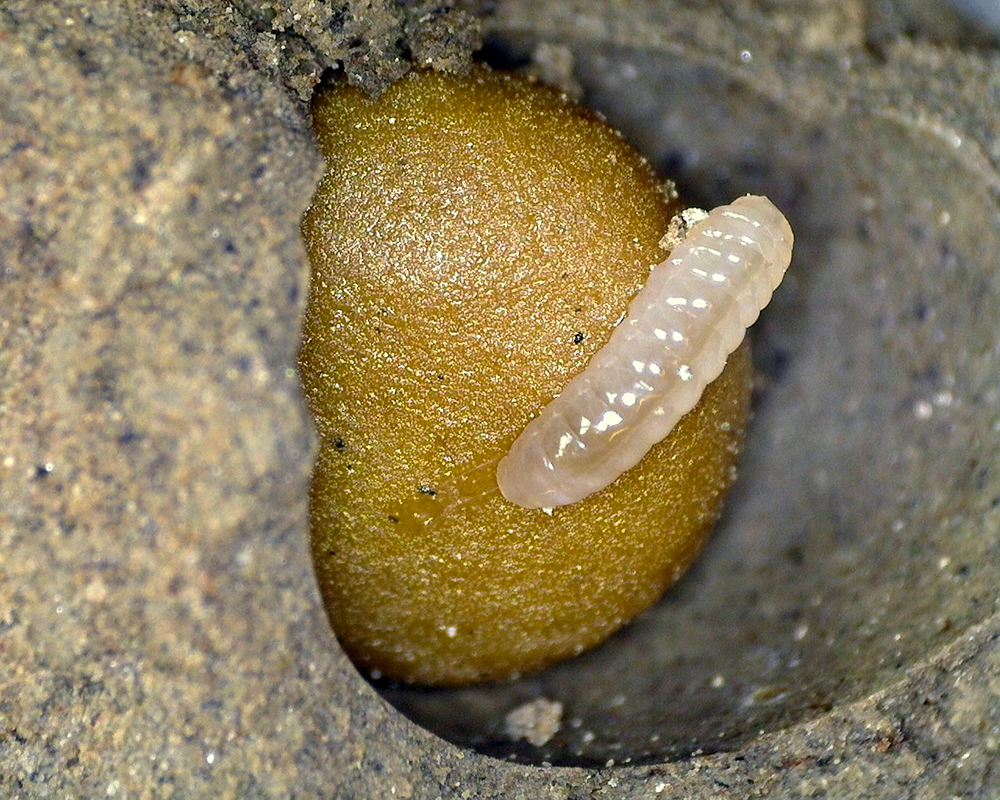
x=844 y=555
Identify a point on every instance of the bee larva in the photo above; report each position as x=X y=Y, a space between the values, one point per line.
x=681 y=327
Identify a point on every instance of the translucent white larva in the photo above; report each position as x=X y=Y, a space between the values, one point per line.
x=691 y=314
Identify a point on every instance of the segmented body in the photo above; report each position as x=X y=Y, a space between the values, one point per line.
x=680 y=329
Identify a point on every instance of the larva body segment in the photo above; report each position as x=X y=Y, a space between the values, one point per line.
x=680 y=329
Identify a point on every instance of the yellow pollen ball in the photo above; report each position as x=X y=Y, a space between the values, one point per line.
x=473 y=243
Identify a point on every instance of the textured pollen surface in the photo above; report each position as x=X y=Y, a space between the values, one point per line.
x=691 y=314
x=473 y=245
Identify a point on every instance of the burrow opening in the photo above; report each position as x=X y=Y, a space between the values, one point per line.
x=861 y=535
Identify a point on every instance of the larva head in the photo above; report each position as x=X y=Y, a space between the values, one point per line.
x=778 y=241
x=473 y=245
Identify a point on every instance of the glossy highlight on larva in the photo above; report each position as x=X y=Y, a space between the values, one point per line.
x=692 y=313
